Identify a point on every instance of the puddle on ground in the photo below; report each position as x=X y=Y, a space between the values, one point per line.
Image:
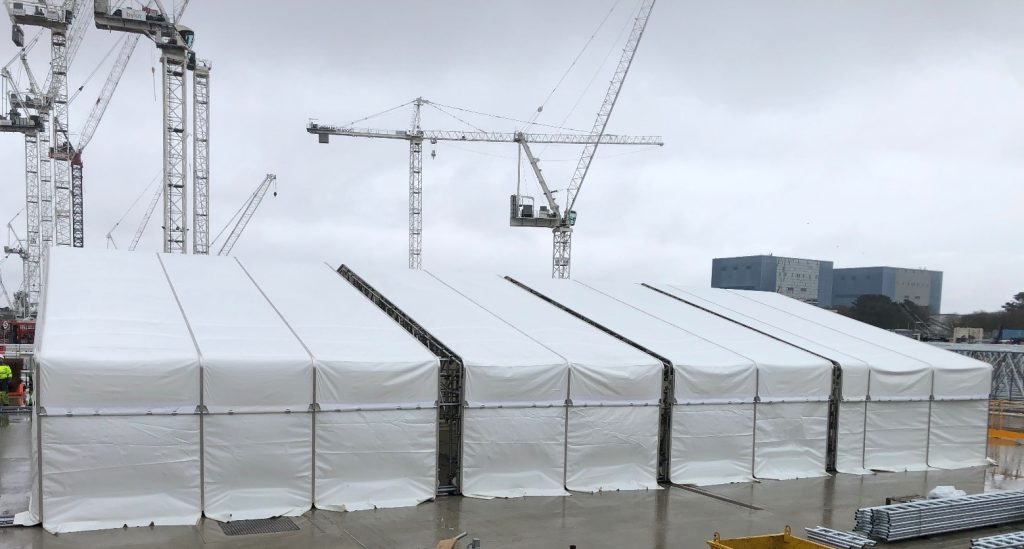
x=1008 y=473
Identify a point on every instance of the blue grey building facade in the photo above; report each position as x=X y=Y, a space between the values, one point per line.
x=808 y=280
x=920 y=286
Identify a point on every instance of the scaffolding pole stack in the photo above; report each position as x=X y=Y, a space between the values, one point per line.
x=838 y=539
x=1011 y=540
x=940 y=516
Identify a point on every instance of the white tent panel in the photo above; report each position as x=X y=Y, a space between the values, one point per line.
x=711 y=440
x=257 y=386
x=102 y=472
x=788 y=440
x=375 y=459
x=955 y=379
x=91 y=295
x=958 y=434
x=608 y=379
x=793 y=386
x=257 y=465
x=513 y=452
x=712 y=443
x=896 y=436
x=517 y=450
x=891 y=379
x=376 y=386
x=850 y=438
x=612 y=448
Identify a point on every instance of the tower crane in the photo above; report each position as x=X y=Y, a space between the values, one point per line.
x=561 y=222
x=245 y=214
x=416 y=136
x=74 y=153
x=58 y=19
x=176 y=57
x=46 y=101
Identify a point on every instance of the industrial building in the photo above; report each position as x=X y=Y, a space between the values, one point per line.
x=818 y=282
x=922 y=287
x=808 y=280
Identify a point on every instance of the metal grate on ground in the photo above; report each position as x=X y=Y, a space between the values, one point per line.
x=258 y=526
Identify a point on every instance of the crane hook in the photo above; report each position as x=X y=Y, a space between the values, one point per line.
x=433 y=153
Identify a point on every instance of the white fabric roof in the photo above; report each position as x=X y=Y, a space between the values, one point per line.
x=363 y=357
x=956 y=376
x=603 y=368
x=736 y=379
x=784 y=371
x=105 y=314
x=243 y=341
x=502 y=364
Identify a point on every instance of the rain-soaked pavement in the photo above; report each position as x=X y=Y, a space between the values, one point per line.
x=667 y=518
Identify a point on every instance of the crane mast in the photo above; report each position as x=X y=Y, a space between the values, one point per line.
x=176 y=58
x=561 y=257
x=201 y=159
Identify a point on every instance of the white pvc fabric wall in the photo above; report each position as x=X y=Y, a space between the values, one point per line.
x=716 y=436
x=888 y=419
x=515 y=390
x=614 y=389
x=172 y=386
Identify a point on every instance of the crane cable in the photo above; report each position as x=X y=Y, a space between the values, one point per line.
x=145 y=191
x=509 y=118
x=586 y=45
x=118 y=43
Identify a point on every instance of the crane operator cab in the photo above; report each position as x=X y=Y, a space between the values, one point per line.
x=524 y=213
x=188 y=37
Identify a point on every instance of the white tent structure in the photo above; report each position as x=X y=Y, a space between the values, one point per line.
x=257 y=392
x=376 y=390
x=721 y=371
x=515 y=390
x=888 y=419
x=115 y=443
x=614 y=389
x=171 y=386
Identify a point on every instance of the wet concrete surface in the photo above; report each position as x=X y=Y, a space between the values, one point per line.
x=669 y=518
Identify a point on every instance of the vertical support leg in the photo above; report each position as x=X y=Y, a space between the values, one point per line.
x=175 y=214
x=31 y=272
x=61 y=145
x=415 y=203
x=561 y=252
x=201 y=160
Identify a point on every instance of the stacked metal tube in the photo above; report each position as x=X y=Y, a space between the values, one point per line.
x=939 y=516
x=1011 y=540
x=838 y=539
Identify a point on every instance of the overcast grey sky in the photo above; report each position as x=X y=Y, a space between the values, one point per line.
x=867 y=133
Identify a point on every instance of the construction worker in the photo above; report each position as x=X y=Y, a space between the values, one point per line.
x=5 y=376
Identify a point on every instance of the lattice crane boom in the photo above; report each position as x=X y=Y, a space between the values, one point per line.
x=561 y=249
x=145 y=219
x=247 y=212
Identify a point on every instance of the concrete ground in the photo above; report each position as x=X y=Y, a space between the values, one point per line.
x=667 y=518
